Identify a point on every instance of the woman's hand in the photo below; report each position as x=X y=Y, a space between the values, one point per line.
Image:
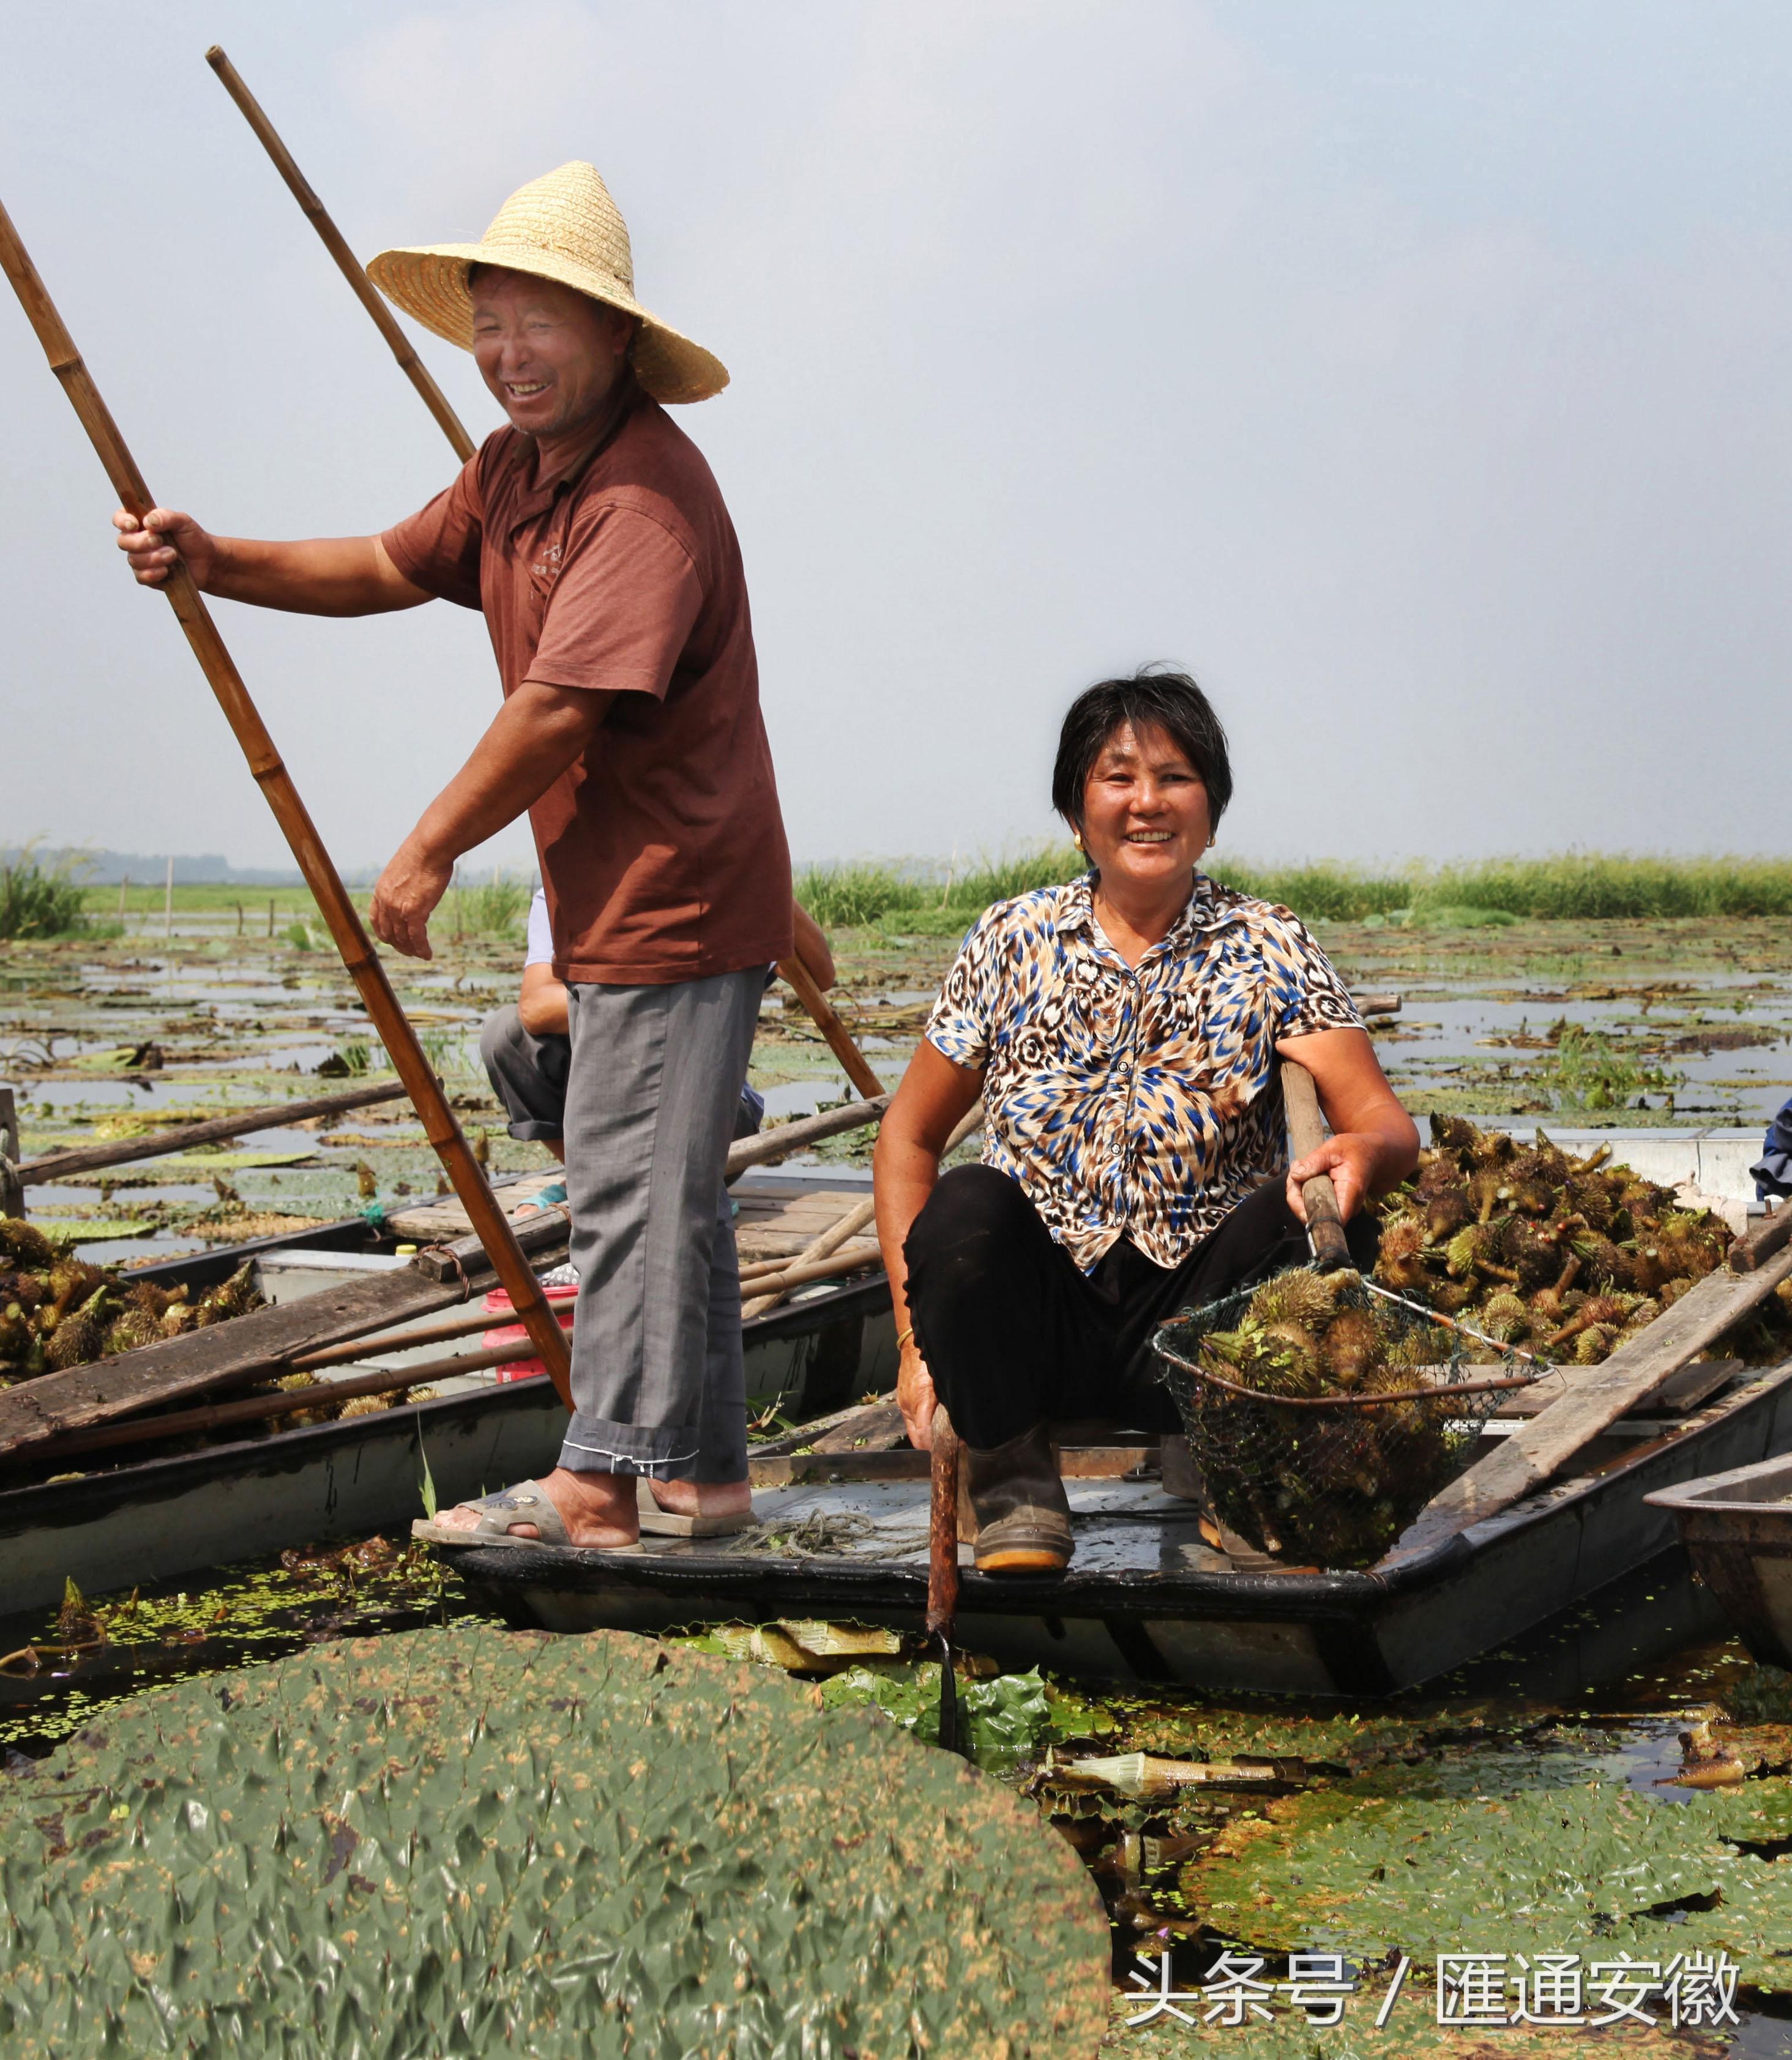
x=1351 y=1161
x=1373 y=1144
x=915 y=1396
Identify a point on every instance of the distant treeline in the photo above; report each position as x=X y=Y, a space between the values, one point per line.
x=1584 y=886
x=108 y=868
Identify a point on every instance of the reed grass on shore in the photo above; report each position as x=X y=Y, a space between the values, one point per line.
x=1572 y=886
x=39 y=901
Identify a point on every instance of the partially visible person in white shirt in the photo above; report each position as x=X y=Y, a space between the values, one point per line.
x=527 y=1050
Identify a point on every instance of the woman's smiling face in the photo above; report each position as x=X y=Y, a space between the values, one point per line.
x=1145 y=816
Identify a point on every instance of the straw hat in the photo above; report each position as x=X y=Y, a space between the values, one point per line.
x=565 y=227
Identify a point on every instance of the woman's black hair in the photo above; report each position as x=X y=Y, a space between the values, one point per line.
x=1173 y=702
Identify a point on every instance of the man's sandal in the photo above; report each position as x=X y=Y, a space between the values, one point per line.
x=527 y=1503
x=659 y=1523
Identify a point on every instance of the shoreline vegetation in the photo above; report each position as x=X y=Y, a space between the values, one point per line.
x=927 y=898
x=1575 y=886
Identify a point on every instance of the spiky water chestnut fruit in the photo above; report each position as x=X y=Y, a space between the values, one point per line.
x=1604 y=1231
x=1353 y=1348
x=477 y=1842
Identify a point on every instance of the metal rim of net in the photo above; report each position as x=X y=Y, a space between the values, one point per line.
x=1333 y=1477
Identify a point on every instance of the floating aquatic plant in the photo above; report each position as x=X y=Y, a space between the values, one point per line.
x=1379 y=1866
x=474 y=1841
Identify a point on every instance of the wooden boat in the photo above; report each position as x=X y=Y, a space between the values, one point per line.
x=159 y=1515
x=1737 y=1528
x=1148 y=1595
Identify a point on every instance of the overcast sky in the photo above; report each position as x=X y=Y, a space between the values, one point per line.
x=1417 y=375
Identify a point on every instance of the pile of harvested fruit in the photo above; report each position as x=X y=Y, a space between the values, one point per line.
x=1568 y=1257
x=56 y=1311
x=1317 y=1414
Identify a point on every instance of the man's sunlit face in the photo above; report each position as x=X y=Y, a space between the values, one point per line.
x=552 y=357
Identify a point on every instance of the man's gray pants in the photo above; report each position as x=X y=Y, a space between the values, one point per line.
x=652 y=1093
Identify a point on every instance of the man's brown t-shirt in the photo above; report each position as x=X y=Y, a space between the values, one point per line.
x=662 y=850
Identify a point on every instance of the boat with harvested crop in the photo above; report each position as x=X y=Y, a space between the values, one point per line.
x=151 y=1498
x=1150 y=1593
x=1556 y=1503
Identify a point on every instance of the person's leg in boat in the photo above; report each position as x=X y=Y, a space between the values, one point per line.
x=1012 y=1336
x=528 y=1073
x=718 y=1484
x=652 y=1099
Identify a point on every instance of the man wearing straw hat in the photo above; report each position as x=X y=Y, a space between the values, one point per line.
x=593 y=537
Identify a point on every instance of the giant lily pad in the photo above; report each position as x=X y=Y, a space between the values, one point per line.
x=1367 y=1870
x=471 y=1841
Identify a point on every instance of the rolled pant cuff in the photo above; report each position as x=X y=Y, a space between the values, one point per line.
x=595 y=1446
x=537 y=1133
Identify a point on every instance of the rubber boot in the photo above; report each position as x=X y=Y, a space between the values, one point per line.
x=1023 y=1514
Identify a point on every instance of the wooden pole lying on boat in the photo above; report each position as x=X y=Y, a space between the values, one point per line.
x=1325 y=1224
x=766 y=1284
x=792 y=969
x=257 y=1409
x=320 y=876
x=346 y=262
x=942 y=1571
x=89 y=1158
x=1594 y=1398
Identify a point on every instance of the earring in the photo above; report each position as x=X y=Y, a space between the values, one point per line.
x=1076 y=839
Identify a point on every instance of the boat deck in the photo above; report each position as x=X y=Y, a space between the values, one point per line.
x=777 y=1214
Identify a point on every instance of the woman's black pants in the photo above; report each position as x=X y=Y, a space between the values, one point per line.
x=1015 y=1333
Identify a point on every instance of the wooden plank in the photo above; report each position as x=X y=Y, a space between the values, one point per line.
x=1679 y=1393
x=430 y=1222
x=181 y=1136
x=877 y=1427
x=1755 y=1247
x=1596 y=1396
x=54 y=1402
x=844 y=1421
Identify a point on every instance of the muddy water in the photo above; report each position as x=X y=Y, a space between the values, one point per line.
x=1683 y=1024
x=1692 y=1023
x=1596 y=1702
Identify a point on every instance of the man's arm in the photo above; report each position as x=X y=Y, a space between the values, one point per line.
x=539 y=733
x=318 y=575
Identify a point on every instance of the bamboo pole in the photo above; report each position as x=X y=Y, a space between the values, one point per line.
x=314 y=862
x=53 y=1166
x=827 y=1021
x=346 y=262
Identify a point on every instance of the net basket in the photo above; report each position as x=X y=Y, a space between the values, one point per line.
x=1326 y=1414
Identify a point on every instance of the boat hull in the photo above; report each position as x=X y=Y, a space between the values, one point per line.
x=160 y=1519
x=1737 y=1528
x=1146 y=1598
